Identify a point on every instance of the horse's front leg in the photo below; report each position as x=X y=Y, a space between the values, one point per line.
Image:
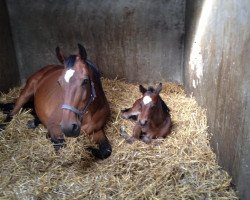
x=105 y=148
x=54 y=131
x=133 y=112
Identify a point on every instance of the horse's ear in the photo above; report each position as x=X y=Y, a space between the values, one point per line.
x=142 y=89
x=82 y=52
x=158 y=89
x=59 y=55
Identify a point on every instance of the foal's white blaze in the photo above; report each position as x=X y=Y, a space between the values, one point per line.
x=146 y=99
x=69 y=73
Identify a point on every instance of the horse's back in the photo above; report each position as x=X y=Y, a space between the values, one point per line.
x=40 y=74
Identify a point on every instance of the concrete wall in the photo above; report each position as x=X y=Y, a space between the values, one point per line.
x=217 y=73
x=138 y=40
x=9 y=75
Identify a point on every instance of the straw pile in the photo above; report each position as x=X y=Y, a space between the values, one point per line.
x=180 y=167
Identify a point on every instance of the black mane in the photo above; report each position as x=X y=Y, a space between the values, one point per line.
x=164 y=106
x=70 y=61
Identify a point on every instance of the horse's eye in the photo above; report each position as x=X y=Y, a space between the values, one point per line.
x=85 y=81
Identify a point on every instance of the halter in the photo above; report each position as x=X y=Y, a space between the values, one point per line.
x=80 y=113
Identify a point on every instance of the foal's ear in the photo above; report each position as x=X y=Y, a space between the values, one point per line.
x=158 y=89
x=82 y=52
x=59 y=55
x=142 y=89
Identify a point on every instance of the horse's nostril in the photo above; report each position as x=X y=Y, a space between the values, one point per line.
x=74 y=127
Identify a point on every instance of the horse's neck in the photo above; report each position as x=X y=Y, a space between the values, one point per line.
x=159 y=115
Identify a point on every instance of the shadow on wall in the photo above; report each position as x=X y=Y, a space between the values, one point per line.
x=9 y=75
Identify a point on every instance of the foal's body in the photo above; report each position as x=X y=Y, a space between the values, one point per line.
x=151 y=114
x=51 y=90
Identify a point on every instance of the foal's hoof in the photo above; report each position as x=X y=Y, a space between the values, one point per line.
x=130 y=140
x=126 y=136
x=146 y=139
x=123 y=132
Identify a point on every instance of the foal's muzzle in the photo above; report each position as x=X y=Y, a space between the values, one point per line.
x=143 y=122
x=72 y=130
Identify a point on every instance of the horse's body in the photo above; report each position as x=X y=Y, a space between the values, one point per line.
x=69 y=100
x=151 y=114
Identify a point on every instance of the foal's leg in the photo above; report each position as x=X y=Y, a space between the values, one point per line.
x=135 y=136
x=133 y=112
x=105 y=148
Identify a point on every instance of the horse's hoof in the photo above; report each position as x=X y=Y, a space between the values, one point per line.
x=31 y=124
x=101 y=154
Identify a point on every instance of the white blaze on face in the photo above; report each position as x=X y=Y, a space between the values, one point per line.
x=146 y=99
x=69 y=73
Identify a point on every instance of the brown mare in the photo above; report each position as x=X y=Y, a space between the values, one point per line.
x=69 y=100
x=151 y=115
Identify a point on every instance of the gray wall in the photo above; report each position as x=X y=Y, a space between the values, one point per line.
x=217 y=72
x=9 y=74
x=138 y=40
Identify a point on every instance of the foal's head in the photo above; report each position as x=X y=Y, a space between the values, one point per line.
x=77 y=89
x=150 y=104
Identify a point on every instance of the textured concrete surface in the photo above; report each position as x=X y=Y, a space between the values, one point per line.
x=217 y=73
x=140 y=40
x=9 y=75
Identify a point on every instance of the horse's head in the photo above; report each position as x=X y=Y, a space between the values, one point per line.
x=77 y=88
x=150 y=102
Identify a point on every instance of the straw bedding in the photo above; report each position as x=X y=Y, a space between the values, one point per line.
x=182 y=166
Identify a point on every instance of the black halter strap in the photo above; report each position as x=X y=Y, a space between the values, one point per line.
x=80 y=113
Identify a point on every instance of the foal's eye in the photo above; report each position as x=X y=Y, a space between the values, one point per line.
x=153 y=106
x=85 y=81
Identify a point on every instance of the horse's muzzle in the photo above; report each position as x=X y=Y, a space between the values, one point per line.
x=72 y=130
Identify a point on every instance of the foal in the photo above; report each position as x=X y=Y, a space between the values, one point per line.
x=151 y=114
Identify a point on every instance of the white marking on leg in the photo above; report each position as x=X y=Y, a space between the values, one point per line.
x=146 y=99
x=69 y=73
